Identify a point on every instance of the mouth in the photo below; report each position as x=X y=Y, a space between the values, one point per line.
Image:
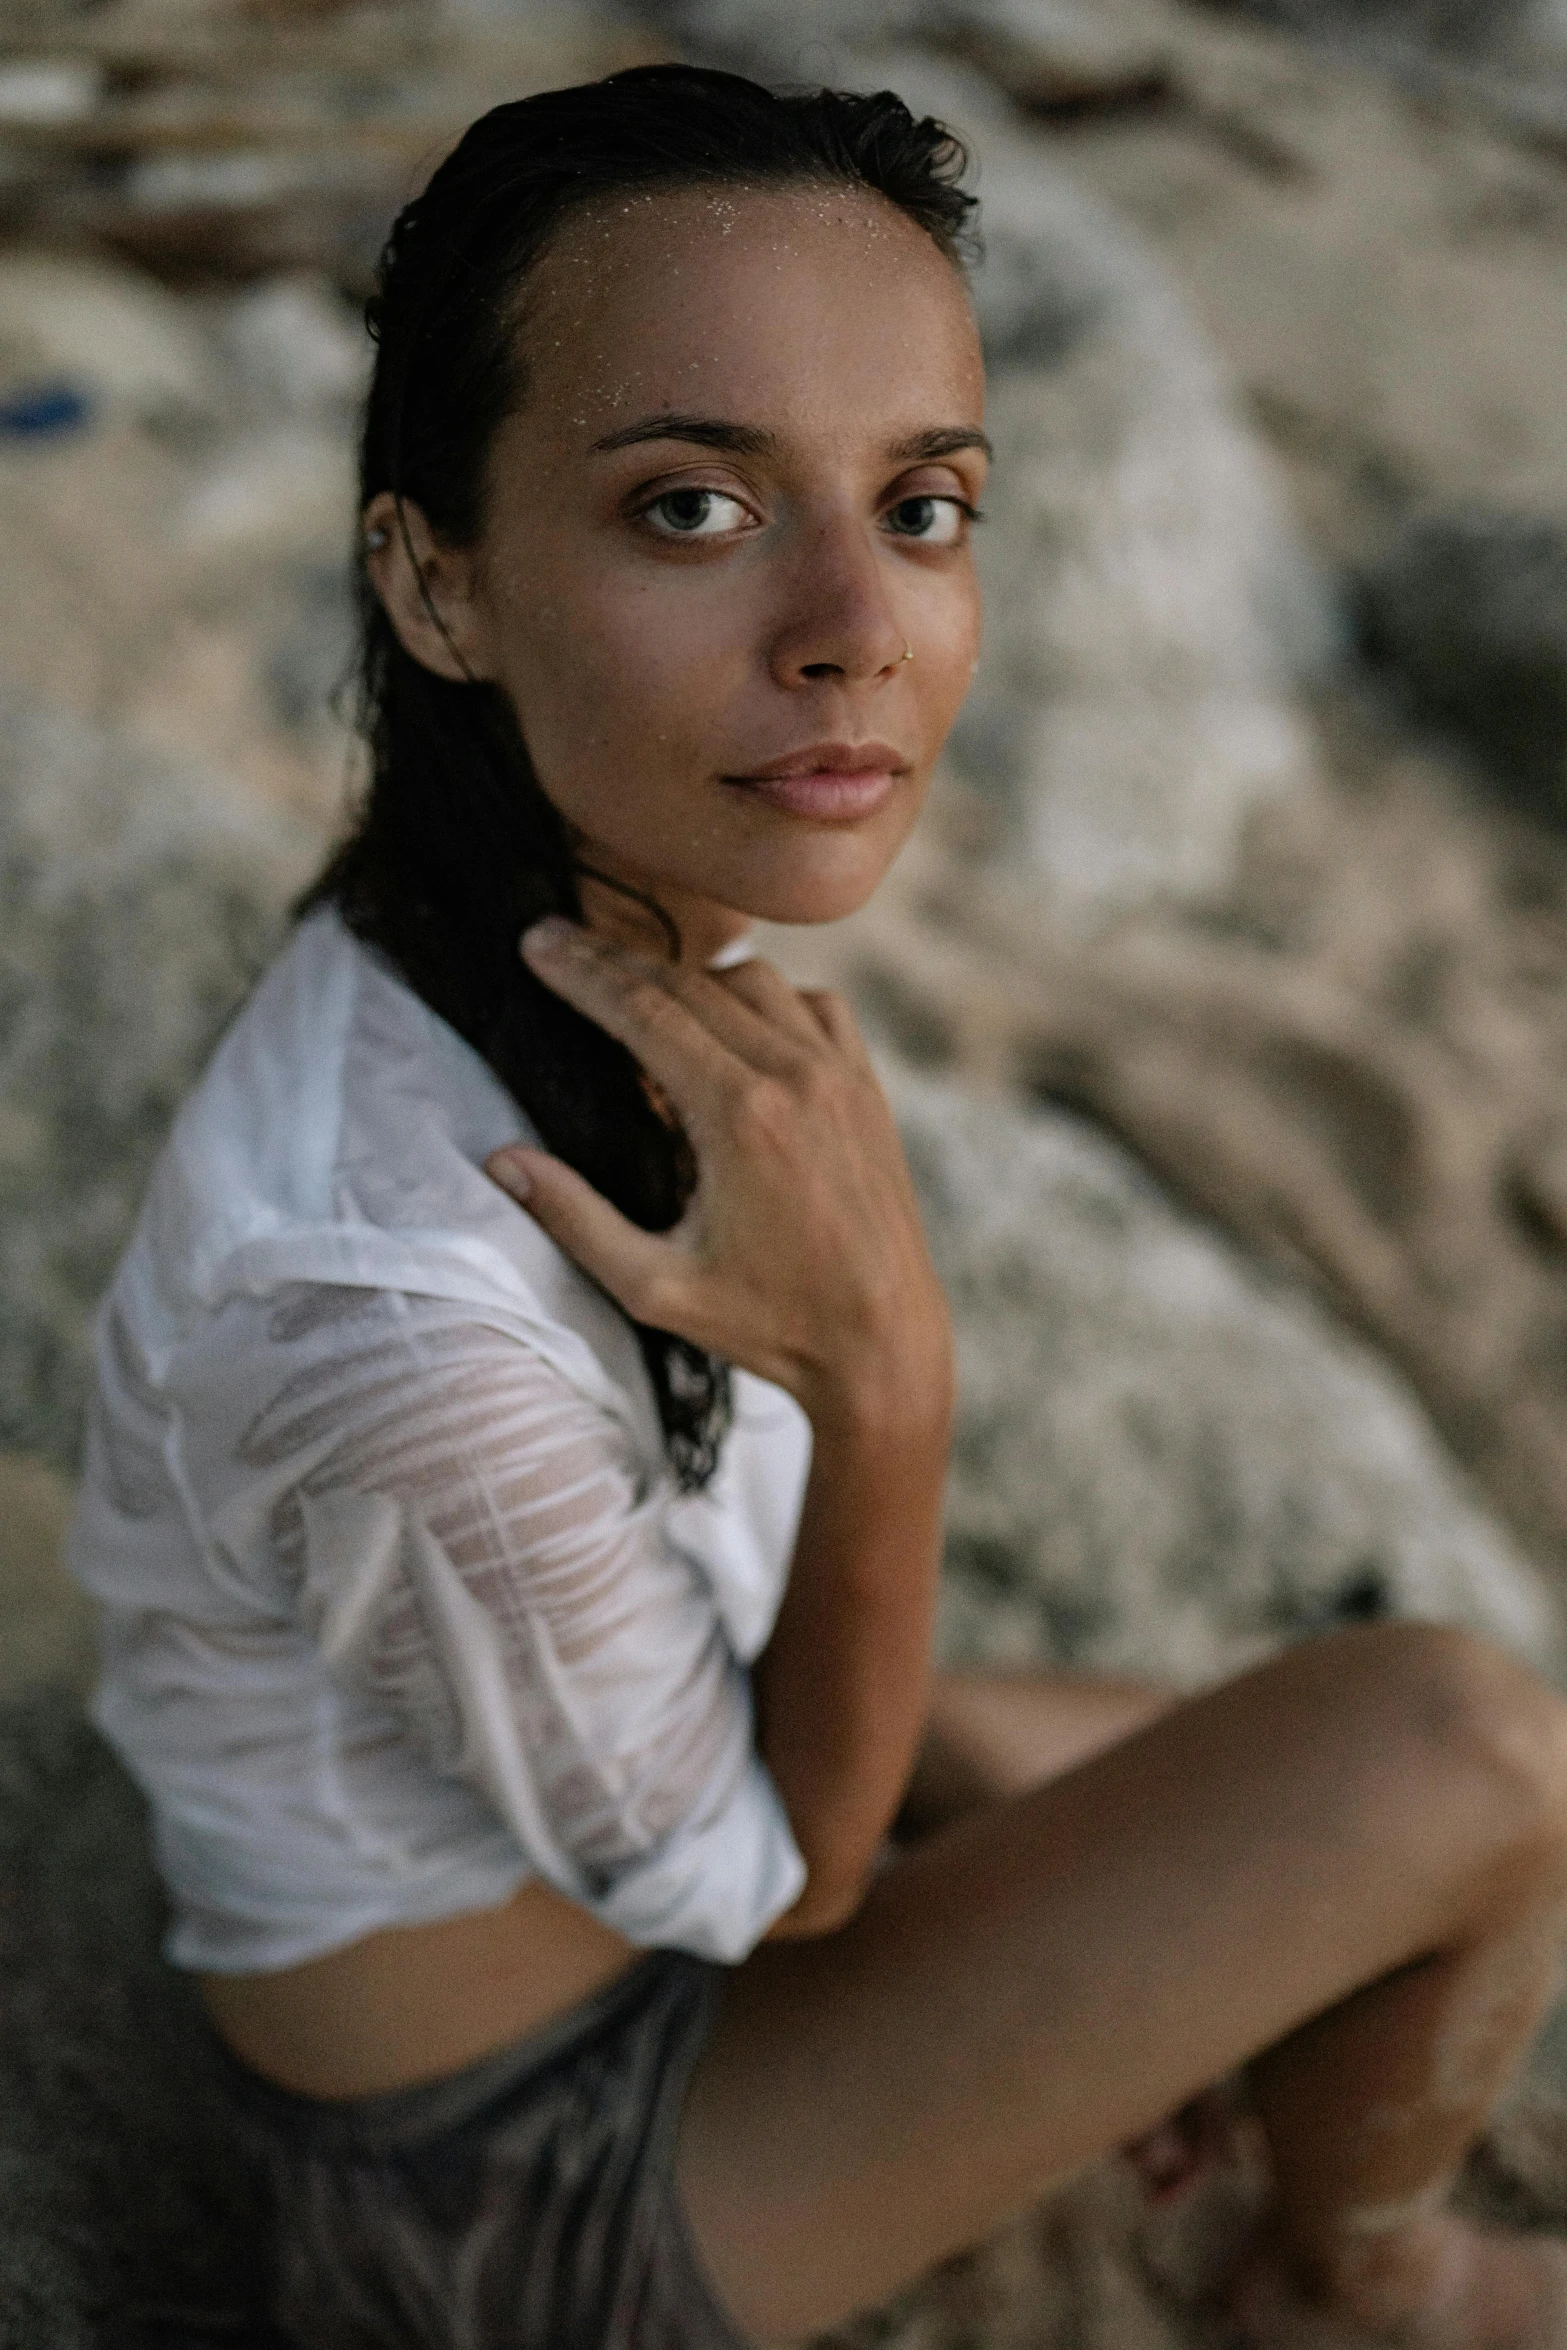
x=830 y=782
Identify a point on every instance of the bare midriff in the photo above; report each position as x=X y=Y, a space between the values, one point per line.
x=415 y=2003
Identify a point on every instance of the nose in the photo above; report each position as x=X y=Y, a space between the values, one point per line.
x=838 y=622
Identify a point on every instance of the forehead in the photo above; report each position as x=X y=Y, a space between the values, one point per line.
x=773 y=306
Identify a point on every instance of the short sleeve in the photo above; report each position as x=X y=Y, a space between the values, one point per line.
x=474 y=1545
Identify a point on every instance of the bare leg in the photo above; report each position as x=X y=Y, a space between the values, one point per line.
x=1370 y=1831
x=996 y=1733
x=1362 y=2183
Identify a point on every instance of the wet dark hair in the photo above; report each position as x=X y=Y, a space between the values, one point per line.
x=457 y=848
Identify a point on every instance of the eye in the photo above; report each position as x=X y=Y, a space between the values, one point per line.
x=935 y=522
x=694 y=514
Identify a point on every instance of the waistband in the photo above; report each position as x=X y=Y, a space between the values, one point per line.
x=399 y=2118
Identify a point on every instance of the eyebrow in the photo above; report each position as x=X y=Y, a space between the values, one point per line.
x=749 y=440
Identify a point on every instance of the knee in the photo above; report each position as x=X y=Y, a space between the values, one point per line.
x=1472 y=1707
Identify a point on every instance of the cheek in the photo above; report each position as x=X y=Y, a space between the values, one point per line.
x=600 y=671
x=946 y=660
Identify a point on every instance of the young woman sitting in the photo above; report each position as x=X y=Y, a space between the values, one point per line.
x=514 y=1487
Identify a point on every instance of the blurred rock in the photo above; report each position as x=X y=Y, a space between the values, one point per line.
x=137 y=347
x=284 y=351
x=1462 y=25
x=1468 y=609
x=311 y=654
x=1150 y=609
x=298 y=348
x=53 y=91
x=1166 y=1462
x=181 y=555
x=45 y=1621
x=272 y=495
x=128 y=2218
x=1371 y=232
x=212 y=140
x=807 y=42
x=137 y=899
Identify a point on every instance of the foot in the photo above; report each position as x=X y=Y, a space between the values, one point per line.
x=1442 y=2285
x=1204 y=2191
x=1171 y=2158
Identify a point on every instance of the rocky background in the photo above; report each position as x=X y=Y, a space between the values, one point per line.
x=1221 y=993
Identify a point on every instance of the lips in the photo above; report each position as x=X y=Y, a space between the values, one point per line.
x=830 y=782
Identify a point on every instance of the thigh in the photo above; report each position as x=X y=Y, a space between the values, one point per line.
x=998 y=1731
x=1055 y=1972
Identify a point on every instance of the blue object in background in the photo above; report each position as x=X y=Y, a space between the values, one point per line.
x=44 y=411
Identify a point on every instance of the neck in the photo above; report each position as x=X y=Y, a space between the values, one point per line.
x=619 y=903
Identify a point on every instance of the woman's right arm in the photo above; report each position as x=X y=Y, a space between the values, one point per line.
x=801 y=1257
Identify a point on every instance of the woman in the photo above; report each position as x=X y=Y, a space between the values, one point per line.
x=525 y=1696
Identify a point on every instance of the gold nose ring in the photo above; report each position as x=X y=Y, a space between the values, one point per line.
x=907 y=653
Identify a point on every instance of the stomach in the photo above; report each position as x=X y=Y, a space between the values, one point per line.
x=412 y=2004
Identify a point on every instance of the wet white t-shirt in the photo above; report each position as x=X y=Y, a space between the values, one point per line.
x=400 y=1604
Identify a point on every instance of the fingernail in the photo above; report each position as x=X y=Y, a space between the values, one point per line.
x=546 y=936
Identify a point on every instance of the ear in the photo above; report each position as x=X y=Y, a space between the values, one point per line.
x=426 y=587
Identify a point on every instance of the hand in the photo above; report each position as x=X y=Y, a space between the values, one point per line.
x=801 y=1255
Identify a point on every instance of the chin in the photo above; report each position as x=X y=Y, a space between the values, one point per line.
x=814 y=881
x=805 y=900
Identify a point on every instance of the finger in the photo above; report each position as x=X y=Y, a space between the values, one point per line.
x=680 y=1024
x=762 y=987
x=627 y=996
x=760 y=1022
x=640 y=1269
x=755 y=1022
x=833 y=1018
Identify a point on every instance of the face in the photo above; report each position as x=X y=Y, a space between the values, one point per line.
x=735 y=499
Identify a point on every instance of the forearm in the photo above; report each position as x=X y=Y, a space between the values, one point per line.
x=801 y=1257
x=843 y=1686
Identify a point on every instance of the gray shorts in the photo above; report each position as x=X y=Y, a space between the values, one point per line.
x=527 y=2203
